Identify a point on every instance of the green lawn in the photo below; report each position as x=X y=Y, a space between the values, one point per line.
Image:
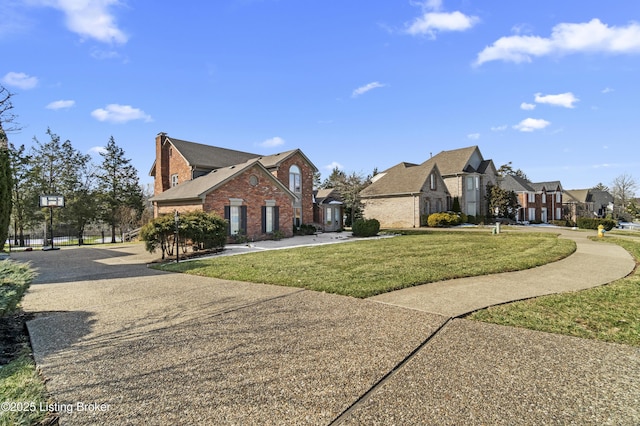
x=610 y=313
x=369 y=267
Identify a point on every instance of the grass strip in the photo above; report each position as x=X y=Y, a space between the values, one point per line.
x=610 y=313
x=369 y=267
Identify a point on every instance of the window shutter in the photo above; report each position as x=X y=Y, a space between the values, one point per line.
x=243 y=219
x=264 y=218
x=276 y=218
x=227 y=217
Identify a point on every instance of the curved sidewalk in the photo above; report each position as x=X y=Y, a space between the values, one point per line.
x=593 y=264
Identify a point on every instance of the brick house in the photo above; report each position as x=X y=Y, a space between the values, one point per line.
x=256 y=194
x=466 y=174
x=539 y=202
x=399 y=196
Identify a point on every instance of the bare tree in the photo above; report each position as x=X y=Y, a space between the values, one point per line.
x=623 y=190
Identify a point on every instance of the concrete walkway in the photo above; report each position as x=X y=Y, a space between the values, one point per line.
x=123 y=344
x=593 y=264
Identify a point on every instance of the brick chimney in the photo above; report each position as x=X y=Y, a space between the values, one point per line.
x=161 y=179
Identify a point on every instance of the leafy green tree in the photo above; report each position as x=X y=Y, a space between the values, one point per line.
x=118 y=187
x=502 y=203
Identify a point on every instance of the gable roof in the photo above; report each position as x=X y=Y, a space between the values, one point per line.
x=207 y=156
x=457 y=161
x=199 y=187
x=578 y=195
x=550 y=186
x=402 y=179
x=327 y=196
x=211 y=157
x=274 y=160
x=515 y=184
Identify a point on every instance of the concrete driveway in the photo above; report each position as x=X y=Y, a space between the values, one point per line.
x=123 y=344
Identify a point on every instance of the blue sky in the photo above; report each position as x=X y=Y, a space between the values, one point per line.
x=551 y=86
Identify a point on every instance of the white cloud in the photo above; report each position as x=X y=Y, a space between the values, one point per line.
x=89 y=18
x=61 y=104
x=20 y=80
x=531 y=124
x=499 y=128
x=273 y=142
x=96 y=150
x=563 y=99
x=527 y=107
x=431 y=23
x=565 y=39
x=364 y=89
x=115 y=113
x=607 y=90
x=474 y=136
x=334 y=165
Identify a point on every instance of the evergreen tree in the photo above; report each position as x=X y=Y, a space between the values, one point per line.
x=6 y=125
x=118 y=186
x=5 y=188
x=504 y=203
x=57 y=168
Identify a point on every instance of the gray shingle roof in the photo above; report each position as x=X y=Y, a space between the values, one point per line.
x=199 y=187
x=455 y=161
x=210 y=157
x=403 y=178
x=515 y=184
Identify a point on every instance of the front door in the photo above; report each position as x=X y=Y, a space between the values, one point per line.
x=332 y=219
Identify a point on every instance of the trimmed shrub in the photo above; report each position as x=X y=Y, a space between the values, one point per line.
x=365 y=227
x=444 y=219
x=593 y=223
x=304 y=229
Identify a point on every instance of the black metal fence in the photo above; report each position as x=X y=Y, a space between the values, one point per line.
x=40 y=239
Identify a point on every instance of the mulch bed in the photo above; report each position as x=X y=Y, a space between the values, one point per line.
x=14 y=337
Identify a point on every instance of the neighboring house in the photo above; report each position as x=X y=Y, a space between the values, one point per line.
x=466 y=174
x=587 y=203
x=257 y=194
x=328 y=209
x=539 y=202
x=399 y=196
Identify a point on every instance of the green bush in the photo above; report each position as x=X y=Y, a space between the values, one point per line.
x=15 y=279
x=305 y=229
x=203 y=230
x=593 y=223
x=562 y=222
x=445 y=219
x=365 y=227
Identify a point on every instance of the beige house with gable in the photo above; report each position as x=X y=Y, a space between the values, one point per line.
x=399 y=196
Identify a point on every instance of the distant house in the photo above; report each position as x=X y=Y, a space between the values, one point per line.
x=539 y=202
x=399 y=196
x=328 y=210
x=256 y=194
x=587 y=203
x=466 y=174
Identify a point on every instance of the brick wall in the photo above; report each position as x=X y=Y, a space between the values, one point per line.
x=253 y=198
x=306 y=171
x=396 y=212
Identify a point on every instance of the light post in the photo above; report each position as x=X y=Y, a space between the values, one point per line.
x=176 y=219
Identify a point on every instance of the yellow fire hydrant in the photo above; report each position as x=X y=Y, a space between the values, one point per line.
x=600 y=231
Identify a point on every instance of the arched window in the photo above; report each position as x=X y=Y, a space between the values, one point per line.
x=295 y=185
